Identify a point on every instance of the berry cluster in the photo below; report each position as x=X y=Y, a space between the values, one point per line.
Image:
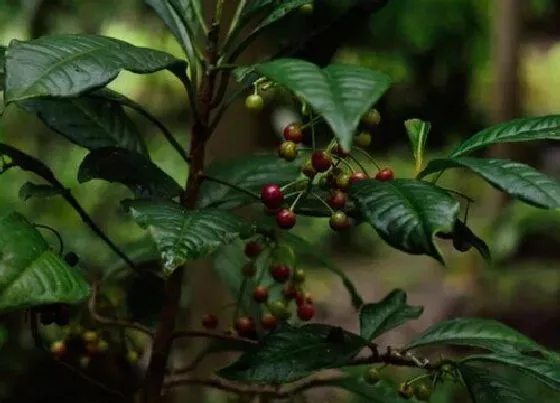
x=407 y=389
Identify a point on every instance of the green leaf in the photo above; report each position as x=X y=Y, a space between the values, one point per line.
x=249 y=173
x=514 y=131
x=547 y=372
x=475 y=332
x=30 y=272
x=27 y=162
x=3 y=336
x=518 y=180
x=341 y=93
x=382 y=392
x=87 y=121
x=406 y=213
x=182 y=235
x=392 y=311
x=2 y=70
x=485 y=386
x=30 y=189
x=137 y=172
x=418 y=131
x=291 y=353
x=67 y=65
x=304 y=248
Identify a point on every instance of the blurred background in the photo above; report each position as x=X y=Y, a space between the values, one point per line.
x=461 y=64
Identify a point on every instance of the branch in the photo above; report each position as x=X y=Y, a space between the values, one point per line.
x=92 y=304
x=204 y=177
x=212 y=335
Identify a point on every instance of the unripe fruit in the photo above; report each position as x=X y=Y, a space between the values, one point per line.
x=252 y=249
x=406 y=391
x=90 y=336
x=132 y=356
x=245 y=326
x=260 y=294
x=422 y=392
x=279 y=309
x=254 y=103
x=371 y=119
x=272 y=196
x=337 y=200
x=58 y=348
x=372 y=375
x=306 y=8
x=306 y=312
x=385 y=175
x=102 y=346
x=209 y=321
x=286 y=219
x=299 y=276
x=363 y=139
x=339 y=221
x=280 y=273
x=288 y=150
x=357 y=176
x=303 y=298
x=342 y=181
x=293 y=133
x=308 y=170
x=84 y=362
x=249 y=270
x=321 y=161
x=269 y=321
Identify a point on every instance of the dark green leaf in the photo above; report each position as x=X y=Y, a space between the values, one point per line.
x=382 y=392
x=418 y=131
x=142 y=176
x=475 y=332
x=406 y=213
x=3 y=335
x=341 y=93
x=182 y=235
x=291 y=353
x=304 y=248
x=2 y=71
x=518 y=180
x=90 y=122
x=514 y=131
x=464 y=239
x=27 y=162
x=29 y=190
x=487 y=387
x=547 y=372
x=67 y=65
x=249 y=173
x=30 y=272
x=390 y=312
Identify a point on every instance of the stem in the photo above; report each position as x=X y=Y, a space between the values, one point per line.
x=56 y=234
x=231 y=185
x=358 y=163
x=366 y=154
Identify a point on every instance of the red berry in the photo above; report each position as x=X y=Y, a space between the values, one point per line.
x=260 y=294
x=58 y=348
x=269 y=321
x=280 y=273
x=305 y=312
x=286 y=219
x=272 y=196
x=384 y=175
x=289 y=291
x=210 y=321
x=357 y=176
x=337 y=200
x=339 y=221
x=245 y=326
x=293 y=133
x=288 y=150
x=252 y=249
x=303 y=298
x=321 y=161
x=338 y=150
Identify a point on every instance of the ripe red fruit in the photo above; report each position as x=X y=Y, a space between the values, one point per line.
x=357 y=176
x=293 y=133
x=286 y=219
x=269 y=321
x=337 y=200
x=260 y=294
x=252 y=249
x=272 y=196
x=306 y=312
x=288 y=150
x=210 y=321
x=321 y=161
x=245 y=326
x=280 y=273
x=289 y=291
x=339 y=221
x=303 y=298
x=385 y=175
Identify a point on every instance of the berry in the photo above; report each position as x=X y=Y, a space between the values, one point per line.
x=132 y=356
x=280 y=273
x=252 y=249
x=321 y=161
x=337 y=200
x=92 y=348
x=308 y=170
x=71 y=259
x=357 y=176
x=299 y=276
x=249 y=270
x=260 y=294
x=254 y=102
x=342 y=181
x=303 y=298
x=406 y=391
x=363 y=139
x=286 y=219
x=422 y=392
x=102 y=346
x=245 y=326
x=372 y=375
x=305 y=312
x=371 y=119
x=272 y=196
x=90 y=336
x=84 y=361
x=288 y=150
x=269 y=321
x=306 y=8
x=289 y=291
x=210 y=321
x=58 y=348
x=279 y=309
x=339 y=221
x=385 y=175
x=293 y=133
x=339 y=151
